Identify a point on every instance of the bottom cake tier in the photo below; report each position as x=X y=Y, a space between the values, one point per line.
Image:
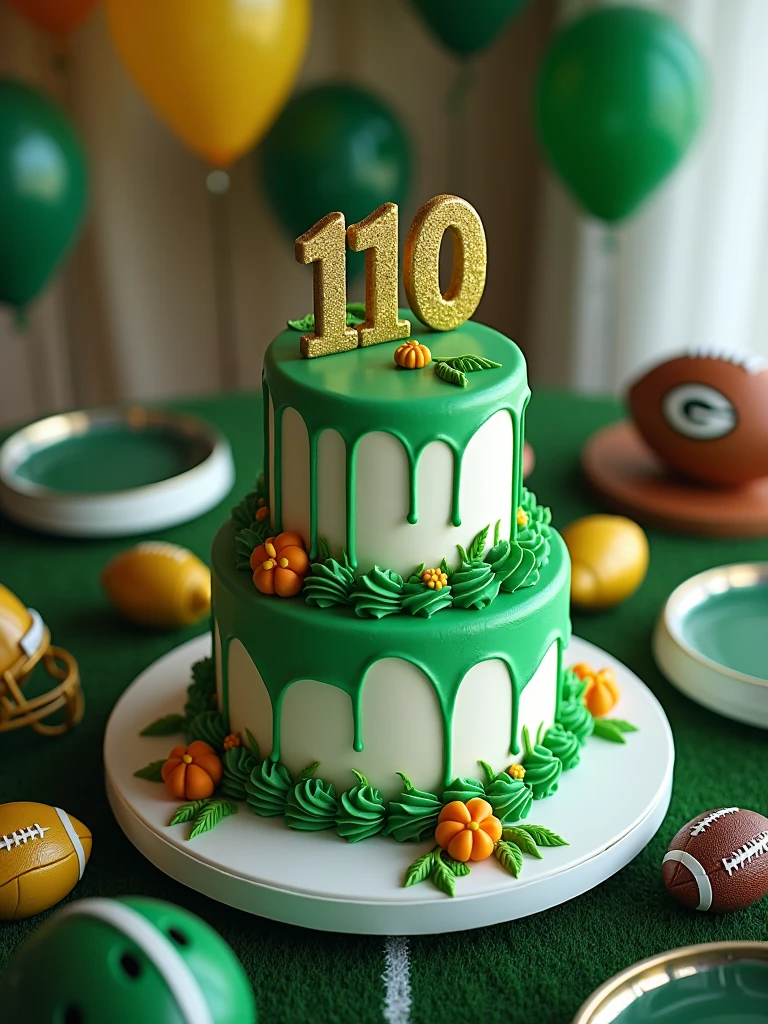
x=431 y=698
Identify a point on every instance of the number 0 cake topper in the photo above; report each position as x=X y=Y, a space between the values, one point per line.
x=324 y=246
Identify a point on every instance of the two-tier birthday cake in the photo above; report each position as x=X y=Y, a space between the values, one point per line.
x=391 y=604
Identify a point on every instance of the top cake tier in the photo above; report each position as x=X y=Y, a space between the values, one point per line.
x=394 y=466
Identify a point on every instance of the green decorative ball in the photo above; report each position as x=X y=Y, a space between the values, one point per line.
x=126 y=961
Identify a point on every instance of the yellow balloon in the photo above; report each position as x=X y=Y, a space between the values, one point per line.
x=217 y=71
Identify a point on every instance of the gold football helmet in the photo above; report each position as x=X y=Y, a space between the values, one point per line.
x=24 y=642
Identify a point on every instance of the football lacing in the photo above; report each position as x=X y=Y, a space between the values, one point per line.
x=755 y=848
x=22 y=835
x=704 y=824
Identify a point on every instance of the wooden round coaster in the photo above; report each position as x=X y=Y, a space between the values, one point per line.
x=631 y=480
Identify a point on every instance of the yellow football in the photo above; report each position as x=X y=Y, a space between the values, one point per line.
x=158 y=584
x=609 y=560
x=43 y=853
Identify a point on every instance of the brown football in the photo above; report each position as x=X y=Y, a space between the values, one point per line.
x=719 y=861
x=706 y=416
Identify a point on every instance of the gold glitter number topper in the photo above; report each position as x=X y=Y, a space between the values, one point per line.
x=421 y=267
x=377 y=234
x=324 y=247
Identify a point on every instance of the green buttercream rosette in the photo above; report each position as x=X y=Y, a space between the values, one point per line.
x=330 y=583
x=239 y=763
x=311 y=806
x=531 y=539
x=512 y=563
x=419 y=599
x=361 y=812
x=564 y=745
x=542 y=768
x=573 y=687
x=413 y=816
x=474 y=585
x=210 y=728
x=576 y=719
x=377 y=594
x=536 y=513
x=510 y=798
x=268 y=789
x=464 y=789
x=201 y=692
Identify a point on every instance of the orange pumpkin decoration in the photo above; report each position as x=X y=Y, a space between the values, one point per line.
x=582 y=670
x=193 y=772
x=412 y=355
x=280 y=565
x=468 y=831
x=602 y=692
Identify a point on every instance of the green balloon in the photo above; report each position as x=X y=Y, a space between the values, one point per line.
x=464 y=27
x=126 y=961
x=42 y=190
x=334 y=147
x=621 y=96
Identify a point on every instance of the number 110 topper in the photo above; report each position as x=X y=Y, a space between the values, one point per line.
x=324 y=245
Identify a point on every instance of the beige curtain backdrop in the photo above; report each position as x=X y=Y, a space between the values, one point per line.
x=173 y=291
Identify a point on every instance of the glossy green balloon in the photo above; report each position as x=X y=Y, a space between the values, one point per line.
x=621 y=96
x=334 y=147
x=42 y=190
x=466 y=27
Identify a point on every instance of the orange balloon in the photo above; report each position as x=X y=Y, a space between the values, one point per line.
x=58 y=17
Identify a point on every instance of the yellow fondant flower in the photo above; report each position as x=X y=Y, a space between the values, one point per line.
x=233 y=740
x=522 y=518
x=434 y=579
x=516 y=771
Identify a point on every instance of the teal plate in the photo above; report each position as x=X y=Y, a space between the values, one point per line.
x=714 y=983
x=711 y=640
x=113 y=472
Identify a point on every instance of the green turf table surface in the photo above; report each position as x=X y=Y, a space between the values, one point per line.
x=537 y=969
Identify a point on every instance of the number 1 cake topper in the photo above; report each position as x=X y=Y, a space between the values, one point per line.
x=324 y=246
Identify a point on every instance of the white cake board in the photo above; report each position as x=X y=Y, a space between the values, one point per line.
x=608 y=808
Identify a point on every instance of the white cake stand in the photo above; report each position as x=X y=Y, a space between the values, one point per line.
x=608 y=809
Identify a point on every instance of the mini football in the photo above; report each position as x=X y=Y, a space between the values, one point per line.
x=158 y=584
x=43 y=853
x=719 y=861
x=706 y=416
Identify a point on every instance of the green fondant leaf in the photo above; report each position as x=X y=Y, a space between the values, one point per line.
x=409 y=786
x=252 y=744
x=489 y=772
x=510 y=857
x=449 y=375
x=210 y=816
x=308 y=772
x=470 y=363
x=420 y=869
x=306 y=323
x=457 y=867
x=478 y=545
x=523 y=840
x=542 y=836
x=360 y=777
x=323 y=549
x=621 y=724
x=496 y=532
x=608 y=730
x=152 y=771
x=442 y=876
x=447 y=569
x=188 y=811
x=248 y=539
x=168 y=725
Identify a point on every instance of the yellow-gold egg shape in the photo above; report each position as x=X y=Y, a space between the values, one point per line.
x=609 y=560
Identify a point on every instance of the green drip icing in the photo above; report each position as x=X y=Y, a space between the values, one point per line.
x=458 y=459
x=288 y=641
x=413 y=474
x=351 y=471
x=277 y=511
x=225 y=642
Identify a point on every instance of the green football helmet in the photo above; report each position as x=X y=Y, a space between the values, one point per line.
x=126 y=961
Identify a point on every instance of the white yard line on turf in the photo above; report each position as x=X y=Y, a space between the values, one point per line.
x=397 y=981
